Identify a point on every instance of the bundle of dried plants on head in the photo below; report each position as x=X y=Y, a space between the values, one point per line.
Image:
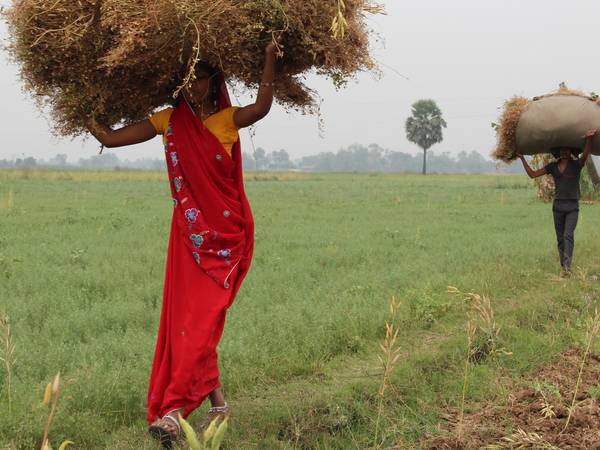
x=117 y=60
x=506 y=129
x=514 y=110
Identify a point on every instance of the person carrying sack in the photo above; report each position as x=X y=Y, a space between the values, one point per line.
x=566 y=172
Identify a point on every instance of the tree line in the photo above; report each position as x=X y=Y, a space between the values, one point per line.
x=354 y=158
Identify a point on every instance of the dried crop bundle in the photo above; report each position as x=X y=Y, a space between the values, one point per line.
x=117 y=60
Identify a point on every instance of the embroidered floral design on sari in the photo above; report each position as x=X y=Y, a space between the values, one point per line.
x=177 y=184
x=191 y=215
x=225 y=253
x=197 y=240
x=196 y=257
x=174 y=159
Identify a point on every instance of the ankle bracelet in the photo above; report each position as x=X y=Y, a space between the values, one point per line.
x=223 y=408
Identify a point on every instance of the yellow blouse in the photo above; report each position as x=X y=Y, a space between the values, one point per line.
x=220 y=124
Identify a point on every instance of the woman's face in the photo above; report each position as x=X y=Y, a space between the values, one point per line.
x=199 y=89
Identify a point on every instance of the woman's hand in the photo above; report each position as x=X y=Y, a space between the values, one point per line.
x=591 y=133
x=274 y=48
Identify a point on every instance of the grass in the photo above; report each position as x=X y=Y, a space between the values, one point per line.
x=82 y=259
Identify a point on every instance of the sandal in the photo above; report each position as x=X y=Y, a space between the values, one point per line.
x=218 y=413
x=159 y=430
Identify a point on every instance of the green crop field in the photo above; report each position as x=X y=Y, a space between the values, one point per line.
x=82 y=258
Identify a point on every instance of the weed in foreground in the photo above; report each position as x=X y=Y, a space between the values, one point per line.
x=390 y=353
x=7 y=355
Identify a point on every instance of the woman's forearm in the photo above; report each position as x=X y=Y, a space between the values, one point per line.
x=249 y=115
x=129 y=135
x=264 y=98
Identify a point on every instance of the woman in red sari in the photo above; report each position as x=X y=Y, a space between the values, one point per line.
x=211 y=239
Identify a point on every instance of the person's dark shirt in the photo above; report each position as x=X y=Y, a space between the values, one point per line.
x=567 y=182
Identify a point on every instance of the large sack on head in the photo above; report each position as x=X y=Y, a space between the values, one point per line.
x=117 y=60
x=560 y=119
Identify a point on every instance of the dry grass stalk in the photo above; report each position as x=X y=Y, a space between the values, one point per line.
x=10 y=203
x=470 y=336
x=480 y=320
x=339 y=23
x=7 y=355
x=486 y=332
x=51 y=395
x=117 y=60
x=592 y=333
x=522 y=440
x=390 y=353
x=547 y=407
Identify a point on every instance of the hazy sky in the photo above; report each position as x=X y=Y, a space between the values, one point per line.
x=468 y=55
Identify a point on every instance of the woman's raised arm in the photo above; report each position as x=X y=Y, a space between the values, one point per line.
x=248 y=115
x=132 y=134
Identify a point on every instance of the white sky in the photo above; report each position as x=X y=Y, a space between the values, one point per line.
x=468 y=55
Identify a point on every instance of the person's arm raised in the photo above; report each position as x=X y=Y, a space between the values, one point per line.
x=587 y=150
x=132 y=134
x=249 y=115
x=532 y=173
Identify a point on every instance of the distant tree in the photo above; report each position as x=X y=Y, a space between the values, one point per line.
x=261 y=161
x=248 y=162
x=59 y=160
x=280 y=160
x=424 y=127
x=104 y=161
x=30 y=161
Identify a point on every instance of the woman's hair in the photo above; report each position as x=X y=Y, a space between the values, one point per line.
x=202 y=68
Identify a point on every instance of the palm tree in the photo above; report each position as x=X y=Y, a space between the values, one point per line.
x=424 y=127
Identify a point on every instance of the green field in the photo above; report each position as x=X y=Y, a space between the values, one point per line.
x=82 y=259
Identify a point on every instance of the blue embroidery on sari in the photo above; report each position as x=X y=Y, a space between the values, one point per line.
x=191 y=214
x=177 y=183
x=196 y=257
x=225 y=253
x=174 y=159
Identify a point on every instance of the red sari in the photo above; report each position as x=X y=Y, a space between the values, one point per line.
x=210 y=250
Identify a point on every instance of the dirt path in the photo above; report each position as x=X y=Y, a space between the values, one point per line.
x=534 y=414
